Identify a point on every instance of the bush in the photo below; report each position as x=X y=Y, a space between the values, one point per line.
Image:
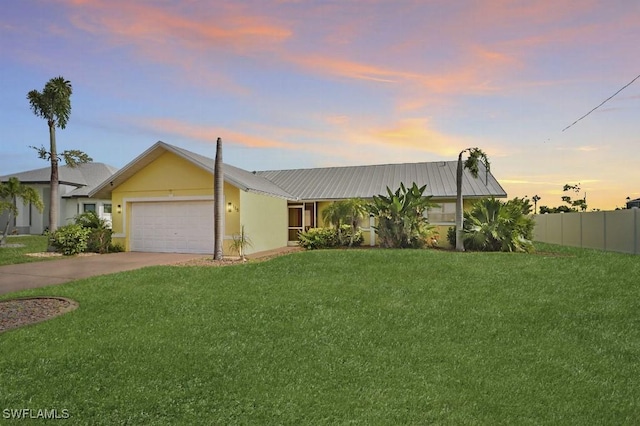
x=318 y=238
x=100 y=236
x=492 y=225
x=321 y=238
x=401 y=220
x=344 y=237
x=70 y=239
x=451 y=236
x=115 y=248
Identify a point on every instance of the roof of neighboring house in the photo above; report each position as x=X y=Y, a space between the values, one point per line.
x=240 y=178
x=366 y=181
x=84 y=177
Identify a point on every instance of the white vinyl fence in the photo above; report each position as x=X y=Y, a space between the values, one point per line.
x=617 y=230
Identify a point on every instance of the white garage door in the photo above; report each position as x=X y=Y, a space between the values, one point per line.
x=172 y=227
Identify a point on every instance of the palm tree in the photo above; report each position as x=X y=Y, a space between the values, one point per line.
x=218 y=210
x=472 y=164
x=9 y=194
x=54 y=105
x=345 y=212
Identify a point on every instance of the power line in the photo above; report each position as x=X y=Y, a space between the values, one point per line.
x=602 y=103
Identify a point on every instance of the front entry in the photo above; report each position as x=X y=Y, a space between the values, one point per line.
x=302 y=216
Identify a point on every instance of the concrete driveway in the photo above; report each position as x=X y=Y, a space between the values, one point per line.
x=39 y=274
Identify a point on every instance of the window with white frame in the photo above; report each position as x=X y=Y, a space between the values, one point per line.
x=443 y=213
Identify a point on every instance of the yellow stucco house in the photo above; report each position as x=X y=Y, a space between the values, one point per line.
x=163 y=199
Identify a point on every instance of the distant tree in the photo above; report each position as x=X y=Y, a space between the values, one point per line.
x=218 y=194
x=54 y=105
x=572 y=205
x=9 y=194
x=476 y=155
x=535 y=199
x=576 y=204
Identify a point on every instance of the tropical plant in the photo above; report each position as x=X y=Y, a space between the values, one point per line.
x=318 y=238
x=472 y=163
x=345 y=212
x=321 y=238
x=54 y=105
x=240 y=243
x=492 y=225
x=10 y=191
x=100 y=232
x=218 y=209
x=70 y=239
x=401 y=219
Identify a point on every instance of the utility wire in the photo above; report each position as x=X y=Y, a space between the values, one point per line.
x=602 y=103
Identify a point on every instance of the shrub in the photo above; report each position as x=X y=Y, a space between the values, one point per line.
x=318 y=238
x=343 y=238
x=100 y=236
x=115 y=248
x=401 y=220
x=492 y=225
x=70 y=239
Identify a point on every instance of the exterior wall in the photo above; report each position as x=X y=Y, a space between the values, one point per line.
x=610 y=230
x=265 y=221
x=168 y=178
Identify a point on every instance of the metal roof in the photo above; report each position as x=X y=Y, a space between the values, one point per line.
x=84 y=177
x=333 y=183
x=329 y=183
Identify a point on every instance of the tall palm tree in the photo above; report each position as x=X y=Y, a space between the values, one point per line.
x=476 y=155
x=9 y=194
x=218 y=195
x=54 y=105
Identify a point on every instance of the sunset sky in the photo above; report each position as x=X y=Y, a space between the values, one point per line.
x=297 y=84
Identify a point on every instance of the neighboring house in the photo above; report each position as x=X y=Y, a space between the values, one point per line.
x=633 y=203
x=163 y=199
x=74 y=186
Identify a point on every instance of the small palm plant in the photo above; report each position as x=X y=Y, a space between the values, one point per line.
x=241 y=242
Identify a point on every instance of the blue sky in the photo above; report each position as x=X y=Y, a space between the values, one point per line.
x=291 y=84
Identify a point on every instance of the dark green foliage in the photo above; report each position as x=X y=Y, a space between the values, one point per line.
x=451 y=236
x=573 y=205
x=321 y=238
x=492 y=225
x=116 y=248
x=70 y=239
x=100 y=233
x=10 y=191
x=400 y=215
x=344 y=215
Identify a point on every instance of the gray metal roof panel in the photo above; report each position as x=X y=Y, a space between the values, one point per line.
x=366 y=181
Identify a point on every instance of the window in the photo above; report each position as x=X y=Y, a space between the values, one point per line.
x=444 y=213
x=107 y=208
x=89 y=207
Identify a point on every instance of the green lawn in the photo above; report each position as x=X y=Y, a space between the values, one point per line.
x=344 y=336
x=29 y=244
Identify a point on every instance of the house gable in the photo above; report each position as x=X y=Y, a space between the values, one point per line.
x=167 y=174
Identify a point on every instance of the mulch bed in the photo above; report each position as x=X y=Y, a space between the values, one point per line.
x=30 y=310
